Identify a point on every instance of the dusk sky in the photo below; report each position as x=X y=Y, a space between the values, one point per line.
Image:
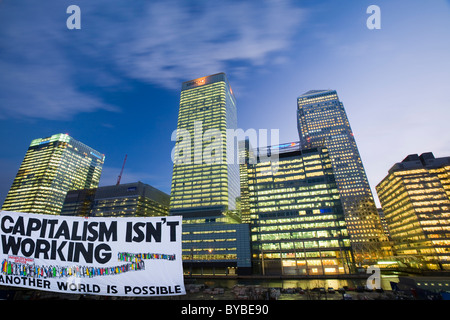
x=115 y=83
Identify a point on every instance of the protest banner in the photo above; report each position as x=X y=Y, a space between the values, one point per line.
x=126 y=256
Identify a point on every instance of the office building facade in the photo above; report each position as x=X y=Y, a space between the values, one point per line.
x=52 y=166
x=322 y=121
x=415 y=198
x=245 y=153
x=123 y=200
x=218 y=246
x=297 y=220
x=79 y=203
x=204 y=179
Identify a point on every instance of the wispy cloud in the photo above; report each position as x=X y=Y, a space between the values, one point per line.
x=159 y=42
x=36 y=91
x=174 y=40
x=37 y=78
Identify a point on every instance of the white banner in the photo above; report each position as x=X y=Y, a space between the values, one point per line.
x=138 y=256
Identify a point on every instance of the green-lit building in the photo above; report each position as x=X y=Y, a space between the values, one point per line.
x=297 y=221
x=203 y=179
x=123 y=200
x=51 y=167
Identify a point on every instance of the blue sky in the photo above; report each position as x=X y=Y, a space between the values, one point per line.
x=115 y=83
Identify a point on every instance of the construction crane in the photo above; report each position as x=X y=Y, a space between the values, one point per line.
x=121 y=171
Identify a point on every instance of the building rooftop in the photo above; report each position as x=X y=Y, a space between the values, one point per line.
x=425 y=160
x=314 y=92
x=132 y=189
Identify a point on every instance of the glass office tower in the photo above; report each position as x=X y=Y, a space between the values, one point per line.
x=415 y=197
x=297 y=221
x=205 y=177
x=51 y=167
x=322 y=121
x=205 y=180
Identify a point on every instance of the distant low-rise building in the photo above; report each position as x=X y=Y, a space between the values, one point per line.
x=218 y=245
x=130 y=199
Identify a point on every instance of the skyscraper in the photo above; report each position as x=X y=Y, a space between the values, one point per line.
x=203 y=180
x=297 y=220
x=322 y=121
x=415 y=196
x=51 y=167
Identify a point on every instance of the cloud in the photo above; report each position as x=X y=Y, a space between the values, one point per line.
x=37 y=78
x=35 y=91
x=174 y=40
x=50 y=72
